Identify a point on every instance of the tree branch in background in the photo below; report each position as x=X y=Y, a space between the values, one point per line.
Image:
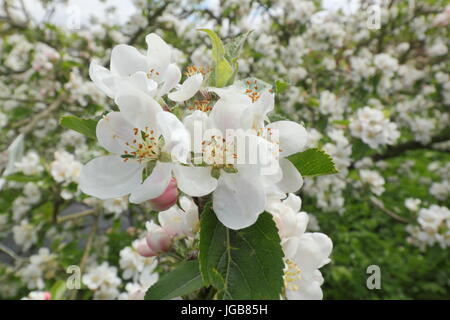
x=395 y=151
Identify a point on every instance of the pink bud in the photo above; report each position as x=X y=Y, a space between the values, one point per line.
x=47 y=295
x=144 y=250
x=158 y=240
x=167 y=199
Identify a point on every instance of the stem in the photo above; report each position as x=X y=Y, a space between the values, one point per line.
x=379 y=204
x=41 y=115
x=86 y=252
x=10 y=253
x=76 y=215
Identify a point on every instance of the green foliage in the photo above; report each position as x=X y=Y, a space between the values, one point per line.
x=281 y=86
x=233 y=49
x=20 y=177
x=223 y=71
x=313 y=162
x=83 y=126
x=363 y=235
x=178 y=282
x=243 y=264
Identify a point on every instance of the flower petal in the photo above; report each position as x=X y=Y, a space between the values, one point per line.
x=138 y=108
x=195 y=181
x=126 y=60
x=313 y=251
x=292 y=136
x=140 y=81
x=238 y=201
x=154 y=185
x=158 y=51
x=170 y=79
x=103 y=78
x=176 y=137
x=110 y=177
x=227 y=114
x=188 y=89
x=113 y=131
x=292 y=180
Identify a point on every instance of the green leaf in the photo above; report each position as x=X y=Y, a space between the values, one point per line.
x=58 y=290
x=241 y=264
x=180 y=281
x=281 y=86
x=313 y=162
x=233 y=49
x=223 y=70
x=20 y=177
x=83 y=126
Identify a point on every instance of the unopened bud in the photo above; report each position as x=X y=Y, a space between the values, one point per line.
x=167 y=199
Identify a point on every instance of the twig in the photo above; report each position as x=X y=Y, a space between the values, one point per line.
x=41 y=115
x=381 y=206
x=87 y=250
x=10 y=253
x=75 y=215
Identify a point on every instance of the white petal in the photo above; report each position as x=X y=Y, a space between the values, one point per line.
x=308 y=288
x=140 y=81
x=188 y=89
x=313 y=251
x=138 y=108
x=237 y=201
x=154 y=185
x=195 y=181
x=196 y=123
x=103 y=78
x=126 y=60
x=292 y=180
x=257 y=112
x=170 y=79
x=110 y=177
x=113 y=131
x=294 y=202
x=158 y=50
x=292 y=136
x=176 y=137
x=227 y=114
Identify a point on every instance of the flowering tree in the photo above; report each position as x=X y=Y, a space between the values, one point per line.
x=178 y=169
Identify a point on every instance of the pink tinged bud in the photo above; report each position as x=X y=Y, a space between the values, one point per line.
x=47 y=295
x=137 y=295
x=167 y=199
x=158 y=240
x=144 y=250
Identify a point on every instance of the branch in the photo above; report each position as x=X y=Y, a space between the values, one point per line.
x=379 y=204
x=41 y=115
x=399 y=149
x=76 y=215
x=10 y=253
x=87 y=250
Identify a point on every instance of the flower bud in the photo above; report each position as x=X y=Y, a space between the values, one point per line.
x=144 y=250
x=158 y=240
x=47 y=295
x=167 y=199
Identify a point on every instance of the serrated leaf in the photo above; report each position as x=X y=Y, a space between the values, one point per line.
x=183 y=280
x=233 y=49
x=241 y=264
x=222 y=67
x=313 y=162
x=84 y=126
